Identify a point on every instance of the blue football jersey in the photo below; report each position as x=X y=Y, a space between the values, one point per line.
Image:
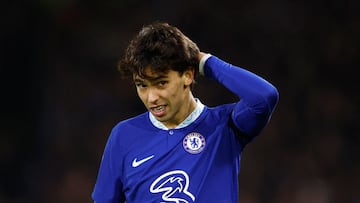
x=200 y=162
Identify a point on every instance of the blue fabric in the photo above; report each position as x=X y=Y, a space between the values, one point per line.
x=198 y=163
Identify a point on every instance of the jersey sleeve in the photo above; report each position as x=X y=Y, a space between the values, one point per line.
x=258 y=97
x=108 y=187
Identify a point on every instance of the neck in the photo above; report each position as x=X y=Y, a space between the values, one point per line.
x=189 y=106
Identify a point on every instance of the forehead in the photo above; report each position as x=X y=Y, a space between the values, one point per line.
x=152 y=75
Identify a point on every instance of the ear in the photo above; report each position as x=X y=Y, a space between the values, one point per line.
x=188 y=77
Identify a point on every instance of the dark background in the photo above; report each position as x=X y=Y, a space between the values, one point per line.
x=61 y=93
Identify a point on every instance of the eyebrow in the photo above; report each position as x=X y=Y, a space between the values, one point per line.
x=151 y=79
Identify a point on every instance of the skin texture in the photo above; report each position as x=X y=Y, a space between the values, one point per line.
x=163 y=63
x=167 y=95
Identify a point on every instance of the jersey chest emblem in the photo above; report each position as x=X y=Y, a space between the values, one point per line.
x=194 y=143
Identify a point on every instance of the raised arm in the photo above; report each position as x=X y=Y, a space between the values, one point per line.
x=258 y=97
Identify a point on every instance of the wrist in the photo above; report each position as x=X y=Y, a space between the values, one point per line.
x=203 y=59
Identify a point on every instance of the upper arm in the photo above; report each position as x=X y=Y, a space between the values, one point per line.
x=251 y=118
x=108 y=187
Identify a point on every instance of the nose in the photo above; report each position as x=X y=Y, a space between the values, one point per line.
x=152 y=95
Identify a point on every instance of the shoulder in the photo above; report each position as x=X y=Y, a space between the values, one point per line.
x=138 y=121
x=130 y=131
x=126 y=129
x=220 y=111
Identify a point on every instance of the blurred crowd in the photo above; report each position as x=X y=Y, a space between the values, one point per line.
x=61 y=93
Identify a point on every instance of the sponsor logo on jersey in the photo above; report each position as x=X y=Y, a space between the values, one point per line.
x=173 y=187
x=194 y=143
x=137 y=163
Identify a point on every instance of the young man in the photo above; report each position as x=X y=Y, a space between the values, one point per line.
x=180 y=151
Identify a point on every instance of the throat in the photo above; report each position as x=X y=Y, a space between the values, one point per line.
x=185 y=117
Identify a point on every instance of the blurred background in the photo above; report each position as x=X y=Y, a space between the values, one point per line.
x=61 y=93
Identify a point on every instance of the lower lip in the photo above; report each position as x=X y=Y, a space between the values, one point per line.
x=159 y=113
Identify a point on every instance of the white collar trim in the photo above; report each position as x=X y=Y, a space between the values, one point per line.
x=190 y=119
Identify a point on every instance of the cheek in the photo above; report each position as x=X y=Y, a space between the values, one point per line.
x=177 y=93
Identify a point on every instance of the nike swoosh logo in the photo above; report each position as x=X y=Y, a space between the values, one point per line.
x=137 y=163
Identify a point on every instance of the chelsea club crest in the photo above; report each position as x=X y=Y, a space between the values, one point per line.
x=194 y=143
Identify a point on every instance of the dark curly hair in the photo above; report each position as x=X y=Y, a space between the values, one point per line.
x=161 y=47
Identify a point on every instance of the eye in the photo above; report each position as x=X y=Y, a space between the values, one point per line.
x=140 y=85
x=162 y=83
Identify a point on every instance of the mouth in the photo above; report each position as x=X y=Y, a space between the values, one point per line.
x=158 y=111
